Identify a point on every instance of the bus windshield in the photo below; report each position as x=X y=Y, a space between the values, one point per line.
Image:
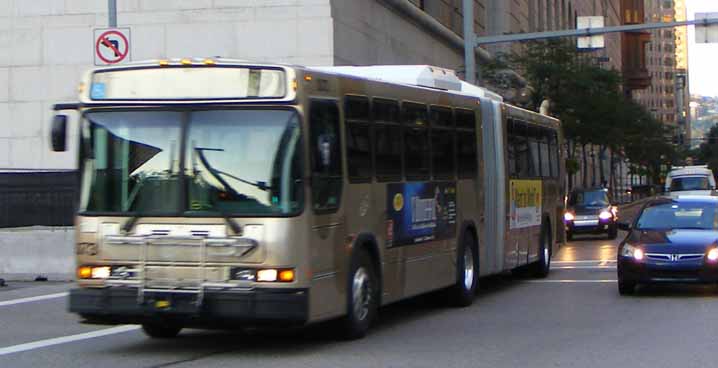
x=202 y=163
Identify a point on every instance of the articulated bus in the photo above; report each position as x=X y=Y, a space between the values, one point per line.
x=218 y=193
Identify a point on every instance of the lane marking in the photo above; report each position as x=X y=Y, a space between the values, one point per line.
x=568 y=281
x=32 y=299
x=65 y=339
x=599 y=267
x=589 y=261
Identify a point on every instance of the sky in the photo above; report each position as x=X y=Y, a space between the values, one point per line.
x=702 y=58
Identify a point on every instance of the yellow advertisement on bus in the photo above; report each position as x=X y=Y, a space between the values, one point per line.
x=526 y=197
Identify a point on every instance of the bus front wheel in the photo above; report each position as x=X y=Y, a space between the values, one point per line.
x=362 y=296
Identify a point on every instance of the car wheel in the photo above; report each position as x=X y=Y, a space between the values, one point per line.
x=362 y=297
x=161 y=331
x=467 y=273
x=626 y=287
x=542 y=267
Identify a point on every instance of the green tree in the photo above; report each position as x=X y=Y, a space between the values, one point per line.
x=708 y=150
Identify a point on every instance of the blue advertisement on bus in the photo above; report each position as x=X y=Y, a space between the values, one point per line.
x=420 y=212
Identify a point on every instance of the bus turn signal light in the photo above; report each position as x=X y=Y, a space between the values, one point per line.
x=286 y=276
x=84 y=272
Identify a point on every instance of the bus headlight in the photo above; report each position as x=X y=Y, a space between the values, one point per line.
x=93 y=272
x=263 y=275
x=275 y=275
x=605 y=215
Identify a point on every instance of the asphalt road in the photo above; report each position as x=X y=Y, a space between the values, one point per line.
x=574 y=318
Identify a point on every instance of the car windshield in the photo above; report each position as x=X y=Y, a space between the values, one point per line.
x=598 y=198
x=690 y=183
x=207 y=163
x=673 y=215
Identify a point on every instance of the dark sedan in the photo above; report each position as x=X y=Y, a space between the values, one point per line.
x=590 y=211
x=672 y=240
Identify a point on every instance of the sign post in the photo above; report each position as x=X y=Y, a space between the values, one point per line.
x=111 y=46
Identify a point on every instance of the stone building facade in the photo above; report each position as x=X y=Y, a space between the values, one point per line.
x=45 y=45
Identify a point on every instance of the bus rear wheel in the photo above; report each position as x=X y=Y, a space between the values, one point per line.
x=467 y=275
x=161 y=331
x=362 y=297
x=542 y=267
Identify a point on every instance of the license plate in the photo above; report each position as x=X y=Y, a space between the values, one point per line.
x=586 y=223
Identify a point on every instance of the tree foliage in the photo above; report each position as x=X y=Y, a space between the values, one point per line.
x=708 y=151
x=590 y=104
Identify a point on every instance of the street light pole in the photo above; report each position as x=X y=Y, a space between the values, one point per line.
x=469 y=42
x=112 y=13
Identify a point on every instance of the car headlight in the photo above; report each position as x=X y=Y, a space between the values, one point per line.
x=713 y=255
x=568 y=216
x=605 y=215
x=632 y=251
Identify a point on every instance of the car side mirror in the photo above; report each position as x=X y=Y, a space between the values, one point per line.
x=625 y=226
x=59 y=133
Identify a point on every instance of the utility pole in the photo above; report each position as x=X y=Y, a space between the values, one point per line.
x=469 y=42
x=112 y=13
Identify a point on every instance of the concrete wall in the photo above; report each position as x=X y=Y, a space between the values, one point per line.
x=26 y=253
x=45 y=45
x=369 y=33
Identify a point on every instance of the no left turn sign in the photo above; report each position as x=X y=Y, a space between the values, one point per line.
x=111 y=46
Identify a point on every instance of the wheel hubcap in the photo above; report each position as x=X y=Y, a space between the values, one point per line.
x=546 y=258
x=468 y=268
x=361 y=294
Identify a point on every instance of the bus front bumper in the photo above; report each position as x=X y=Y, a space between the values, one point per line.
x=220 y=309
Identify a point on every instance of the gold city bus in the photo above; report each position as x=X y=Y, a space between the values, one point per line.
x=218 y=193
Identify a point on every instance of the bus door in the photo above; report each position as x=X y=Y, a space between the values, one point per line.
x=328 y=261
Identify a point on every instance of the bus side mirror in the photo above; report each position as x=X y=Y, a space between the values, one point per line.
x=625 y=226
x=59 y=133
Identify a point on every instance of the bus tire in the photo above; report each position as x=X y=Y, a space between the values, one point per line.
x=362 y=296
x=467 y=273
x=161 y=331
x=542 y=267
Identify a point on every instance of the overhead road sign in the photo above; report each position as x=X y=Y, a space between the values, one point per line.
x=112 y=46
x=590 y=42
x=706 y=33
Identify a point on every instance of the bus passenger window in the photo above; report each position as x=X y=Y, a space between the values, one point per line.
x=325 y=148
x=533 y=134
x=467 y=160
x=387 y=140
x=513 y=170
x=544 y=150
x=553 y=152
x=416 y=141
x=442 y=143
x=466 y=146
x=518 y=140
x=358 y=139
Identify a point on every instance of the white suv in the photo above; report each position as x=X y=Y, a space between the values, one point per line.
x=696 y=180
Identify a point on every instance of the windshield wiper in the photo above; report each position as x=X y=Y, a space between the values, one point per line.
x=230 y=221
